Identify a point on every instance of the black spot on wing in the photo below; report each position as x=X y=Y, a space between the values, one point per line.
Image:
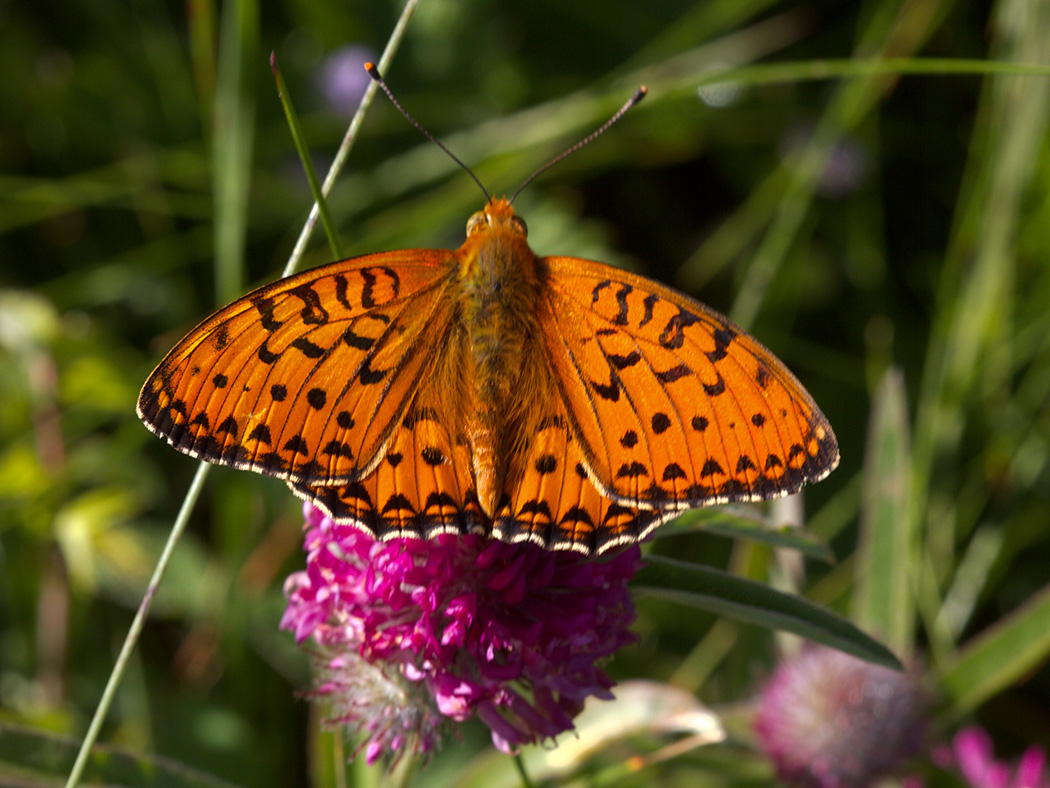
x=266 y=356
x=577 y=514
x=432 y=456
x=336 y=449
x=745 y=463
x=673 y=337
x=624 y=361
x=357 y=341
x=265 y=307
x=260 y=433
x=312 y=313
x=608 y=391
x=660 y=423
x=597 y=291
x=316 y=398
x=673 y=471
x=711 y=467
x=307 y=348
x=621 y=302
x=340 y=292
x=648 y=304
x=722 y=337
x=368 y=289
x=370 y=376
x=397 y=503
x=762 y=375
x=416 y=415
x=546 y=464
x=228 y=427
x=536 y=507
x=632 y=470
x=716 y=388
x=674 y=373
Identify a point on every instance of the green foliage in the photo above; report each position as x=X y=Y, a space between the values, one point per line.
x=882 y=227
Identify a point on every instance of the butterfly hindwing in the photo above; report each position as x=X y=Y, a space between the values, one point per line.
x=553 y=502
x=672 y=403
x=422 y=487
x=305 y=378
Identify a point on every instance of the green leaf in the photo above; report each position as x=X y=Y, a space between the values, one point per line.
x=736 y=525
x=719 y=592
x=999 y=656
x=883 y=601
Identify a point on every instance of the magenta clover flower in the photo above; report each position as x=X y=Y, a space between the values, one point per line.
x=414 y=634
x=829 y=720
x=972 y=754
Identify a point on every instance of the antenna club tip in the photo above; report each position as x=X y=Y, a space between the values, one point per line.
x=373 y=72
x=639 y=94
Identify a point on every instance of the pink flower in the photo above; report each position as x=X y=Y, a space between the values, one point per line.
x=973 y=755
x=829 y=720
x=343 y=77
x=414 y=634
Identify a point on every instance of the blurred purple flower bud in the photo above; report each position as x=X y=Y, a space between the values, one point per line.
x=343 y=78
x=972 y=754
x=829 y=720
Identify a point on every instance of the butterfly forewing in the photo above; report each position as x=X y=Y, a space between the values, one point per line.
x=674 y=405
x=306 y=378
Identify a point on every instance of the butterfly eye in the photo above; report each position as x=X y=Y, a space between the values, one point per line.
x=522 y=227
x=477 y=221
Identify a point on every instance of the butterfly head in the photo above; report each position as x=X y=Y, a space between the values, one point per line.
x=498 y=216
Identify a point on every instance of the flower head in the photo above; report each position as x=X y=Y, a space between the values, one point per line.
x=829 y=720
x=343 y=77
x=973 y=755
x=414 y=633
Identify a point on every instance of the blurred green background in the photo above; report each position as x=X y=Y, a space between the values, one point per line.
x=855 y=225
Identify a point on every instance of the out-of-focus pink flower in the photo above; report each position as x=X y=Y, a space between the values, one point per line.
x=413 y=633
x=829 y=720
x=972 y=754
x=343 y=77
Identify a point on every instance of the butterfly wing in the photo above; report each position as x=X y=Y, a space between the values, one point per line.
x=306 y=378
x=673 y=406
x=553 y=502
x=421 y=488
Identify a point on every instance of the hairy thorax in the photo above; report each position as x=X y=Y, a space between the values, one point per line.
x=499 y=284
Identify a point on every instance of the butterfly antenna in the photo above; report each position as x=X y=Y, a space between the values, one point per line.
x=638 y=96
x=373 y=72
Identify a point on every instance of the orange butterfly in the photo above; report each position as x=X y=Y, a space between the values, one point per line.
x=487 y=390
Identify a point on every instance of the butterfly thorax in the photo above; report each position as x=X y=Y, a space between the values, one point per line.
x=499 y=285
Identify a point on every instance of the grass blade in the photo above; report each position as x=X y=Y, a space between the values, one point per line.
x=719 y=592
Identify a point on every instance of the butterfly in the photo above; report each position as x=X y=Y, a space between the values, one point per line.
x=485 y=389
